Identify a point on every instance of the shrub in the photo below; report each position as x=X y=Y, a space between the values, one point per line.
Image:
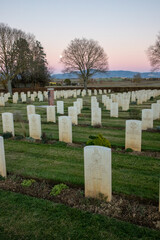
x=129 y=150
x=7 y=135
x=2 y=178
x=27 y=182
x=98 y=140
x=57 y=189
x=67 y=81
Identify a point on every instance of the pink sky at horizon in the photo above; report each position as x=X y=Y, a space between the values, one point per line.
x=124 y=28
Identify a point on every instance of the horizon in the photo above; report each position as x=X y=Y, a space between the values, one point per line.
x=125 y=29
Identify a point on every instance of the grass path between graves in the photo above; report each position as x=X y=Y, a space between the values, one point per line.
x=133 y=175
x=23 y=217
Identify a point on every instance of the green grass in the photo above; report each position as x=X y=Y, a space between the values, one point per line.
x=23 y=217
x=112 y=128
x=26 y=218
x=134 y=175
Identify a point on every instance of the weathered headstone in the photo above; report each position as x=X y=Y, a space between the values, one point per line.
x=114 y=110
x=35 y=126
x=3 y=171
x=7 y=122
x=147 y=119
x=65 y=129
x=98 y=172
x=51 y=114
x=72 y=112
x=156 y=110
x=96 y=116
x=30 y=109
x=2 y=102
x=133 y=135
x=60 y=107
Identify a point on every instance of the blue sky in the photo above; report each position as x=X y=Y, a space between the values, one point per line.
x=124 y=28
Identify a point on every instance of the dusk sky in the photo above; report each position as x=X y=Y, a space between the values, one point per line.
x=124 y=28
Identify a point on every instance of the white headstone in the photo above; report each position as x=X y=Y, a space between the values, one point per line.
x=65 y=129
x=35 y=126
x=30 y=109
x=114 y=110
x=147 y=119
x=72 y=112
x=2 y=102
x=133 y=135
x=51 y=114
x=8 y=124
x=60 y=107
x=98 y=172
x=156 y=110
x=3 y=171
x=96 y=116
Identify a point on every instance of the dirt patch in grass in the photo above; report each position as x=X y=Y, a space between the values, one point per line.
x=142 y=212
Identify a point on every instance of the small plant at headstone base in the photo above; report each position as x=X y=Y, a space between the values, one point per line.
x=129 y=150
x=30 y=139
x=158 y=128
x=98 y=140
x=118 y=149
x=19 y=137
x=7 y=135
x=9 y=101
x=57 y=189
x=2 y=178
x=27 y=182
x=44 y=137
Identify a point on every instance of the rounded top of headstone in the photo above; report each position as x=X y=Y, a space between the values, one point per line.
x=96 y=146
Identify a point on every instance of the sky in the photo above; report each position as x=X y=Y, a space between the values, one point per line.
x=124 y=28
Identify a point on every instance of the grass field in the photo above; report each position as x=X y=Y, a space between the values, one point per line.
x=135 y=175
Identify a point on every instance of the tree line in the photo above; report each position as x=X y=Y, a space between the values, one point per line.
x=22 y=59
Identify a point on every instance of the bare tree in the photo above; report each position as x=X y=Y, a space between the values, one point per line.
x=85 y=58
x=154 y=54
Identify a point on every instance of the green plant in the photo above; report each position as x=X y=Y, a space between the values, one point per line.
x=2 y=178
x=98 y=140
x=67 y=81
x=27 y=182
x=57 y=189
x=19 y=137
x=129 y=150
x=7 y=135
x=30 y=139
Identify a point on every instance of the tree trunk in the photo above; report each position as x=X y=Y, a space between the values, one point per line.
x=85 y=83
x=10 y=86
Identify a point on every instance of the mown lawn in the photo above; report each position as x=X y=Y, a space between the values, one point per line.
x=27 y=218
x=134 y=175
x=23 y=217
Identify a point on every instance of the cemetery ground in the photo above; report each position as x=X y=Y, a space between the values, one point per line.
x=32 y=213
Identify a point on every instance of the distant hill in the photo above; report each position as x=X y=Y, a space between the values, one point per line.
x=111 y=74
